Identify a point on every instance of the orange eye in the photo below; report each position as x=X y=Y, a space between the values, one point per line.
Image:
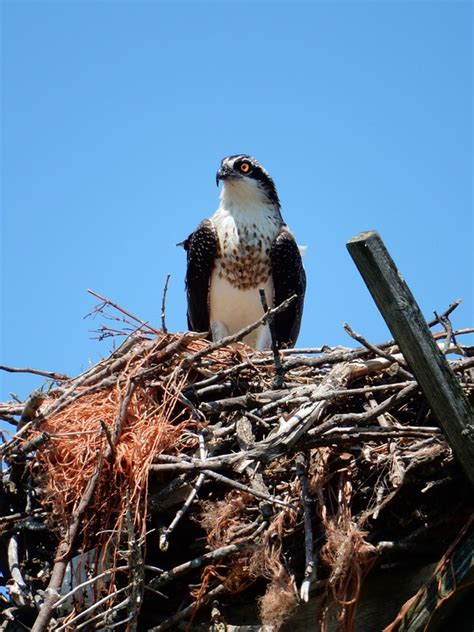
x=245 y=167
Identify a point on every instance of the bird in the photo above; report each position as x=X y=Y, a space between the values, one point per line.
x=245 y=246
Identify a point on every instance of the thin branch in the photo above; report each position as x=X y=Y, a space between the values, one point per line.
x=437 y=319
x=104 y=618
x=197 y=562
x=88 y=582
x=197 y=387
x=170 y=624
x=373 y=413
x=193 y=358
x=182 y=463
x=163 y=305
x=272 y=399
x=309 y=572
x=141 y=322
x=378 y=351
x=53 y=375
x=91 y=608
x=246 y=488
x=449 y=332
x=279 y=372
x=33 y=444
x=121 y=418
x=352 y=435
x=23 y=593
x=136 y=569
x=165 y=533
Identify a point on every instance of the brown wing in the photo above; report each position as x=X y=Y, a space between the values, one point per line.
x=201 y=247
x=288 y=278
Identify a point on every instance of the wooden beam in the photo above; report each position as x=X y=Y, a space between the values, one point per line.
x=445 y=595
x=430 y=367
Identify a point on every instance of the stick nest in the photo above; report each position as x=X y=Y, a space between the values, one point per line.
x=179 y=480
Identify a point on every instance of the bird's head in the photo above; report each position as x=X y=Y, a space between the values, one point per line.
x=245 y=180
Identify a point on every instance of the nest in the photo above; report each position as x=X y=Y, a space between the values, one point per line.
x=178 y=480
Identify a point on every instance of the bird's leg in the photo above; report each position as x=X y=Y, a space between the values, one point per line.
x=264 y=338
x=218 y=330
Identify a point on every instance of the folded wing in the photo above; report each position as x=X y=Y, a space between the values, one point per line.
x=288 y=278
x=201 y=247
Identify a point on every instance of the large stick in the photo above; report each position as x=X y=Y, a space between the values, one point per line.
x=405 y=320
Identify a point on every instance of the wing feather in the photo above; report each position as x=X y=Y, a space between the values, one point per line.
x=202 y=249
x=288 y=278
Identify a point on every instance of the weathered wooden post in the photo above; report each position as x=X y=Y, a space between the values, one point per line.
x=405 y=320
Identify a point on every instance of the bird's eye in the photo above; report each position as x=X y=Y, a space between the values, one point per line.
x=245 y=167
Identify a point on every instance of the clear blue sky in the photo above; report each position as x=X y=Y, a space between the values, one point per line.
x=115 y=117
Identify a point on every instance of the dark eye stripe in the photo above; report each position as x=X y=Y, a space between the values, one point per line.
x=257 y=172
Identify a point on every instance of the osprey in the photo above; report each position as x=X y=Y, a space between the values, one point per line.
x=244 y=247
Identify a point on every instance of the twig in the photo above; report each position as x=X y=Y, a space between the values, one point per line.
x=246 y=488
x=23 y=594
x=379 y=494
x=166 y=532
x=88 y=582
x=107 y=301
x=362 y=418
x=462 y=365
x=106 y=617
x=169 y=624
x=120 y=420
x=439 y=335
x=136 y=569
x=53 y=375
x=449 y=332
x=191 y=359
x=308 y=529
x=91 y=608
x=346 y=355
x=383 y=354
x=327 y=359
x=183 y=464
x=272 y=399
x=163 y=305
x=352 y=435
x=10 y=446
x=304 y=350
x=8 y=419
x=279 y=373
x=164 y=354
x=212 y=556
x=216 y=377
x=256 y=526
x=299 y=423
x=445 y=314
x=12 y=518
x=33 y=444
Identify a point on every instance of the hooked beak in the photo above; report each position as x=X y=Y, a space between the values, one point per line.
x=224 y=172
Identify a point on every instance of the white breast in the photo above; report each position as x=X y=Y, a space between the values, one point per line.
x=242 y=269
x=232 y=309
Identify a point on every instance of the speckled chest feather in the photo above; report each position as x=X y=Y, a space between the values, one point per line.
x=245 y=240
